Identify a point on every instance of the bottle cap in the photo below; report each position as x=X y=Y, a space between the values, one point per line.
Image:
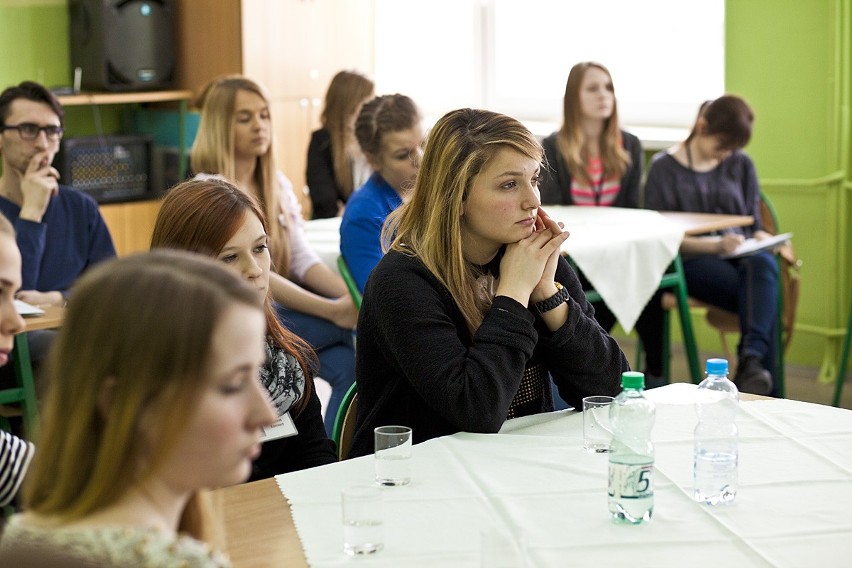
x=716 y=367
x=632 y=380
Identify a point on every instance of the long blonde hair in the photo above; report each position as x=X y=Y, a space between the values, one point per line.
x=343 y=99
x=213 y=153
x=429 y=225
x=141 y=327
x=572 y=139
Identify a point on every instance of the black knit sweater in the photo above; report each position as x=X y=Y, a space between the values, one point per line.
x=417 y=364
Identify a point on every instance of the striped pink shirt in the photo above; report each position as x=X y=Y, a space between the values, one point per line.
x=602 y=192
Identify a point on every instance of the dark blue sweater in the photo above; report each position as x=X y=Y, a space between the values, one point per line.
x=71 y=237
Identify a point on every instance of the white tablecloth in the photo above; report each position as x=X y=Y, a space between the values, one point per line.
x=324 y=237
x=623 y=252
x=534 y=480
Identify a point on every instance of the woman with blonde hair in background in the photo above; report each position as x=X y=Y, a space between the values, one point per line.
x=155 y=398
x=473 y=305
x=214 y=218
x=336 y=165
x=235 y=140
x=593 y=162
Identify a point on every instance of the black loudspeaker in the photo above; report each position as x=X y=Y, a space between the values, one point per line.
x=123 y=45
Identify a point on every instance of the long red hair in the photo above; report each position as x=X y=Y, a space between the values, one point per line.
x=201 y=216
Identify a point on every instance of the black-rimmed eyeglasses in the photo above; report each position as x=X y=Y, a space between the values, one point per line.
x=29 y=131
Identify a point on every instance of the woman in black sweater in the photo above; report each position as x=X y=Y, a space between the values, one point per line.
x=473 y=305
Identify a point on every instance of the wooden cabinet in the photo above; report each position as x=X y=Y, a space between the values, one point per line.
x=131 y=224
x=292 y=47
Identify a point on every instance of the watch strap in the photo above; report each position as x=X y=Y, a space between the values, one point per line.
x=560 y=297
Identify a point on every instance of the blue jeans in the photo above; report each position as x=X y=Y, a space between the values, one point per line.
x=748 y=287
x=335 y=349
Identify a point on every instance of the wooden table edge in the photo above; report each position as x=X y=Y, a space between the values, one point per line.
x=255 y=533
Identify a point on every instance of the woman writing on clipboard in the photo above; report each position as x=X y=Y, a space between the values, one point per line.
x=708 y=172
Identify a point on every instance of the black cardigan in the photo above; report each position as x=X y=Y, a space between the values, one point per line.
x=555 y=184
x=324 y=190
x=417 y=364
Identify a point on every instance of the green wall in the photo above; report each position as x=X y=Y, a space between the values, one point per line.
x=34 y=42
x=791 y=60
x=34 y=46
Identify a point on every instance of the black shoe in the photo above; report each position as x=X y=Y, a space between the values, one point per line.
x=751 y=377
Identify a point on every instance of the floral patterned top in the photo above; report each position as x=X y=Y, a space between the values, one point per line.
x=112 y=546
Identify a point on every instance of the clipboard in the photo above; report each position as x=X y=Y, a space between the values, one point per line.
x=752 y=246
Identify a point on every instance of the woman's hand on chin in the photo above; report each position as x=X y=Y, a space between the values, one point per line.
x=530 y=262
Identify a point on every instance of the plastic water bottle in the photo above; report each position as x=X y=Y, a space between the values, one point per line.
x=631 y=454
x=716 y=436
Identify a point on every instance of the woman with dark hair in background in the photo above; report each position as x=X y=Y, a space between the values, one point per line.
x=709 y=173
x=336 y=166
x=390 y=135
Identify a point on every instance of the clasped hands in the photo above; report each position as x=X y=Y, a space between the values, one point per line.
x=528 y=267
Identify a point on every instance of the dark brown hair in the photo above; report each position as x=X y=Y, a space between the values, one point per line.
x=729 y=118
x=31 y=91
x=383 y=115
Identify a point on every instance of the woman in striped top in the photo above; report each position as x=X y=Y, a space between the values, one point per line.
x=592 y=162
x=15 y=453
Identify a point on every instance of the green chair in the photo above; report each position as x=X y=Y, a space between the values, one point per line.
x=341 y=419
x=844 y=359
x=350 y=282
x=726 y=322
x=24 y=393
x=675 y=281
x=344 y=417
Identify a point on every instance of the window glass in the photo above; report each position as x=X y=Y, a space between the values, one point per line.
x=513 y=56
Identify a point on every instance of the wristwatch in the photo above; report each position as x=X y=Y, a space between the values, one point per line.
x=554 y=301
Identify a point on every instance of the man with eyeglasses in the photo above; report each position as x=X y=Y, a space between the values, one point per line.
x=59 y=230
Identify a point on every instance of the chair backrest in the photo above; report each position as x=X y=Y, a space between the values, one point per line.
x=789 y=267
x=340 y=419
x=348 y=430
x=350 y=282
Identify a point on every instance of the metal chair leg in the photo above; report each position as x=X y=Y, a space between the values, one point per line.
x=844 y=359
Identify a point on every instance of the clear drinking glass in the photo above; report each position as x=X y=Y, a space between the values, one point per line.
x=393 y=455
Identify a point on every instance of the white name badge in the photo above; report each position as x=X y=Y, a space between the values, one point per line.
x=281 y=428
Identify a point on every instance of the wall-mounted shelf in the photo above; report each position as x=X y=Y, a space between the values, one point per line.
x=181 y=96
x=131 y=224
x=102 y=98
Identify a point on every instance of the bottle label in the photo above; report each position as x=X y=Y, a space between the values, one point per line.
x=631 y=481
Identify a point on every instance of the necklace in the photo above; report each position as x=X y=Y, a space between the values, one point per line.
x=688 y=155
x=711 y=191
